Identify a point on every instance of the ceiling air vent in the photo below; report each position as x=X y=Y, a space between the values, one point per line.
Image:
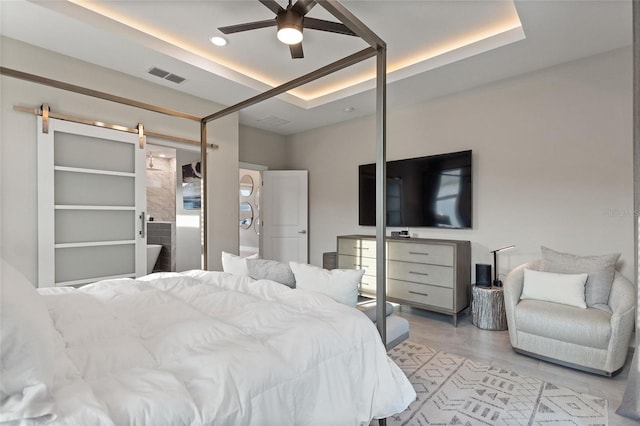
x=175 y=78
x=166 y=75
x=273 y=121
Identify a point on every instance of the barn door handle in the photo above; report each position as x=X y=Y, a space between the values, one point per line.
x=143 y=223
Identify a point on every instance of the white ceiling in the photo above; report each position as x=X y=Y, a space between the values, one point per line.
x=434 y=47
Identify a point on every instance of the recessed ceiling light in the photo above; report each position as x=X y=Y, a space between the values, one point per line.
x=349 y=109
x=218 y=41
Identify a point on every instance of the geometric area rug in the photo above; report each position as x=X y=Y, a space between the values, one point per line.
x=453 y=390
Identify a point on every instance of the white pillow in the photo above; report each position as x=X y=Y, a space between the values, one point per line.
x=236 y=265
x=26 y=350
x=339 y=284
x=567 y=289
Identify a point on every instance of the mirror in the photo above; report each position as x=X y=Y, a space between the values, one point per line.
x=246 y=215
x=246 y=185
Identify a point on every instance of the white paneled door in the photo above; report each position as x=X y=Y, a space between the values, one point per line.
x=285 y=215
x=91 y=204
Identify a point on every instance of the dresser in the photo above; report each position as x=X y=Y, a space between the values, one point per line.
x=424 y=273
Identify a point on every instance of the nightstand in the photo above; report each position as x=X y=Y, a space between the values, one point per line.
x=487 y=308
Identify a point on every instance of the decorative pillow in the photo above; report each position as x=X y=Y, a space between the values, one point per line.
x=339 y=284
x=601 y=270
x=260 y=269
x=236 y=265
x=26 y=350
x=567 y=289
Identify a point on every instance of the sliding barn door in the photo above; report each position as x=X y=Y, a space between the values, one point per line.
x=91 y=204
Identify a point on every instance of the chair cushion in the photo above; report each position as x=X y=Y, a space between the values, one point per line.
x=369 y=309
x=587 y=327
x=601 y=270
x=397 y=330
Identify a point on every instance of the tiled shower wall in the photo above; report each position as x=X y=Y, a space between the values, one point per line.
x=163 y=233
x=161 y=189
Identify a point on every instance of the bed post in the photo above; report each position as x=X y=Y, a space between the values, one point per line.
x=204 y=260
x=381 y=199
x=381 y=196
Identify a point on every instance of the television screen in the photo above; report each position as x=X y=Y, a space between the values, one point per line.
x=433 y=191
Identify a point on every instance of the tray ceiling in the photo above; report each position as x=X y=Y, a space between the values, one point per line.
x=431 y=45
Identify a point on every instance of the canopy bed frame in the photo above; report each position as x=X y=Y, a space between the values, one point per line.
x=377 y=48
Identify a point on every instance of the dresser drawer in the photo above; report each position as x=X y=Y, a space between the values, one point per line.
x=368 y=284
x=434 y=254
x=421 y=273
x=355 y=247
x=421 y=293
x=355 y=262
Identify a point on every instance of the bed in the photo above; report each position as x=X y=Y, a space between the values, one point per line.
x=193 y=348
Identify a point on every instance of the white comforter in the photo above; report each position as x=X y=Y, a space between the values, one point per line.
x=203 y=348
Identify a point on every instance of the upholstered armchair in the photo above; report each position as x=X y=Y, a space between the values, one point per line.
x=588 y=338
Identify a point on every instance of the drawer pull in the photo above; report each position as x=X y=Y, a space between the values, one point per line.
x=417 y=252
x=361 y=248
x=417 y=292
x=418 y=273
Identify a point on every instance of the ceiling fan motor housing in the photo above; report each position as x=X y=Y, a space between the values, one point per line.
x=289 y=19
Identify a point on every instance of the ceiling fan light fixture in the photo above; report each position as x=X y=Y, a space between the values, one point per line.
x=289 y=27
x=289 y=35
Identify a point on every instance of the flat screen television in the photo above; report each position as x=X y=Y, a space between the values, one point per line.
x=433 y=191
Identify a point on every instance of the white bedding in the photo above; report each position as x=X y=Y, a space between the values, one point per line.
x=203 y=348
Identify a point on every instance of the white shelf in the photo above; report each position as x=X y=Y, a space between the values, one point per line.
x=95 y=244
x=93 y=171
x=93 y=280
x=84 y=207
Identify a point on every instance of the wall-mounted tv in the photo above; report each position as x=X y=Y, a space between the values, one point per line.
x=433 y=191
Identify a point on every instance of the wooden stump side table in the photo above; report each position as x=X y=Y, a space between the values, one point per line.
x=487 y=308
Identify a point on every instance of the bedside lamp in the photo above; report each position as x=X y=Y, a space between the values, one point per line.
x=496 y=281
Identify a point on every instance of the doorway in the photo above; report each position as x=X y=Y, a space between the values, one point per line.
x=161 y=208
x=250 y=204
x=173 y=209
x=285 y=215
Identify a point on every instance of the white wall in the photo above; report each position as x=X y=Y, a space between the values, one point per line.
x=18 y=142
x=552 y=154
x=223 y=189
x=265 y=148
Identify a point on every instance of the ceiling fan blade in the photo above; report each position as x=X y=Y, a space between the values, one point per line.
x=322 y=25
x=296 y=51
x=303 y=6
x=248 y=26
x=273 y=6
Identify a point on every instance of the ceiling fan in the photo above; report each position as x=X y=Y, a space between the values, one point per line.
x=290 y=23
